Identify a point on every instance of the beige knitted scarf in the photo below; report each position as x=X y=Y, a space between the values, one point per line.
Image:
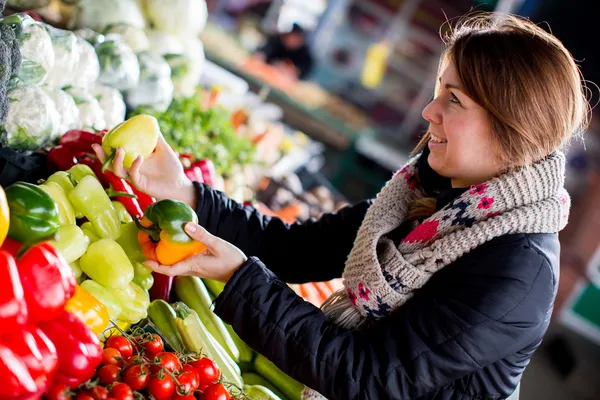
x=380 y=277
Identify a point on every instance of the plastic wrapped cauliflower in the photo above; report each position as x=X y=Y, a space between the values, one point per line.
x=163 y=43
x=183 y=18
x=156 y=87
x=99 y=14
x=67 y=111
x=119 y=67
x=133 y=36
x=36 y=49
x=112 y=103
x=186 y=69
x=91 y=115
x=87 y=68
x=92 y=37
x=66 y=57
x=31 y=120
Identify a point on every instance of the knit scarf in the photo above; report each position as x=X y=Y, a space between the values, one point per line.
x=379 y=277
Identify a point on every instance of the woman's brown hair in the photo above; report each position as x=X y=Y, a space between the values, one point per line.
x=527 y=81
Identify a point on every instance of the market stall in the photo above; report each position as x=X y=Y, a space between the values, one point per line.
x=83 y=317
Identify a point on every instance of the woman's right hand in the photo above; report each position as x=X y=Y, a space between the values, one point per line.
x=160 y=175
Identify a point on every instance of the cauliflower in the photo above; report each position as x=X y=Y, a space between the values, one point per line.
x=111 y=102
x=163 y=43
x=67 y=111
x=99 y=14
x=119 y=67
x=87 y=69
x=156 y=87
x=66 y=56
x=31 y=119
x=90 y=36
x=134 y=37
x=182 y=18
x=91 y=115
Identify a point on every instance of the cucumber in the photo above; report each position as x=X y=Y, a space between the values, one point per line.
x=290 y=387
x=258 y=392
x=162 y=315
x=252 y=379
x=194 y=294
x=198 y=340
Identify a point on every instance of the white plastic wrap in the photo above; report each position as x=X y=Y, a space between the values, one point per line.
x=91 y=115
x=31 y=120
x=99 y=14
x=183 y=18
x=119 y=67
x=133 y=37
x=164 y=43
x=36 y=52
x=87 y=68
x=67 y=111
x=66 y=57
x=156 y=87
x=112 y=103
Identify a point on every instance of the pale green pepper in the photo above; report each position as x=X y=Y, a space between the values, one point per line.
x=66 y=214
x=106 y=297
x=129 y=242
x=89 y=198
x=122 y=213
x=71 y=242
x=135 y=302
x=142 y=275
x=63 y=179
x=77 y=272
x=106 y=263
x=137 y=137
x=80 y=171
x=90 y=232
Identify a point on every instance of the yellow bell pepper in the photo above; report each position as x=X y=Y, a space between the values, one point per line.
x=4 y=216
x=89 y=310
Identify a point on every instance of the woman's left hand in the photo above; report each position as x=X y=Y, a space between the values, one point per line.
x=219 y=262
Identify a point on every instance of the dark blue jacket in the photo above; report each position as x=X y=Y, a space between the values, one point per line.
x=468 y=334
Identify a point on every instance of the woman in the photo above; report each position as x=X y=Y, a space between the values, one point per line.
x=450 y=274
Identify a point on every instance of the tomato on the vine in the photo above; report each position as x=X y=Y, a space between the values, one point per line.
x=59 y=391
x=216 y=392
x=83 y=396
x=121 y=391
x=153 y=346
x=120 y=343
x=137 y=376
x=161 y=386
x=111 y=356
x=97 y=393
x=188 y=380
x=208 y=372
x=108 y=374
x=179 y=397
x=168 y=361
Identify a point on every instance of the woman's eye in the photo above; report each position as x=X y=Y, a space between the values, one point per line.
x=454 y=99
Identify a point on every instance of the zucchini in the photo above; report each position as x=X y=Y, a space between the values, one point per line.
x=258 y=392
x=252 y=379
x=162 y=315
x=197 y=339
x=214 y=287
x=290 y=387
x=192 y=292
x=246 y=353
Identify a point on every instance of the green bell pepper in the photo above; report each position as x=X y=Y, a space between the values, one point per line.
x=33 y=213
x=80 y=171
x=129 y=242
x=142 y=275
x=106 y=263
x=71 y=242
x=122 y=213
x=66 y=214
x=135 y=302
x=106 y=297
x=89 y=198
x=90 y=232
x=63 y=179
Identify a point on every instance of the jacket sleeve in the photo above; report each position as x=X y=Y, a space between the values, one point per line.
x=435 y=339
x=303 y=252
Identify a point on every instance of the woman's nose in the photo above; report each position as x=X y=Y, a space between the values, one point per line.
x=432 y=113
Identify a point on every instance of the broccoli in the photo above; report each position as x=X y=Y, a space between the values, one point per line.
x=10 y=62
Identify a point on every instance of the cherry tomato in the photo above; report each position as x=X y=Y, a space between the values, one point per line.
x=137 y=376
x=161 y=386
x=83 y=396
x=179 y=397
x=121 y=391
x=108 y=374
x=168 y=361
x=111 y=356
x=154 y=346
x=215 y=392
x=59 y=391
x=97 y=393
x=120 y=343
x=188 y=380
x=208 y=371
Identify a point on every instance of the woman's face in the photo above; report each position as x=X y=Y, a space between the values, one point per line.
x=461 y=143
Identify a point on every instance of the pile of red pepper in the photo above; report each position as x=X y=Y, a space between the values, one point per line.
x=41 y=344
x=202 y=171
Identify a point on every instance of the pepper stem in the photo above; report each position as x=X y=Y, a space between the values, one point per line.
x=153 y=232
x=106 y=163
x=114 y=193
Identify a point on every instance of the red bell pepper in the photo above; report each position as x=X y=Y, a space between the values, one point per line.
x=48 y=282
x=80 y=141
x=161 y=288
x=16 y=380
x=13 y=309
x=121 y=185
x=194 y=174
x=143 y=199
x=62 y=158
x=78 y=349
x=209 y=174
x=96 y=166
